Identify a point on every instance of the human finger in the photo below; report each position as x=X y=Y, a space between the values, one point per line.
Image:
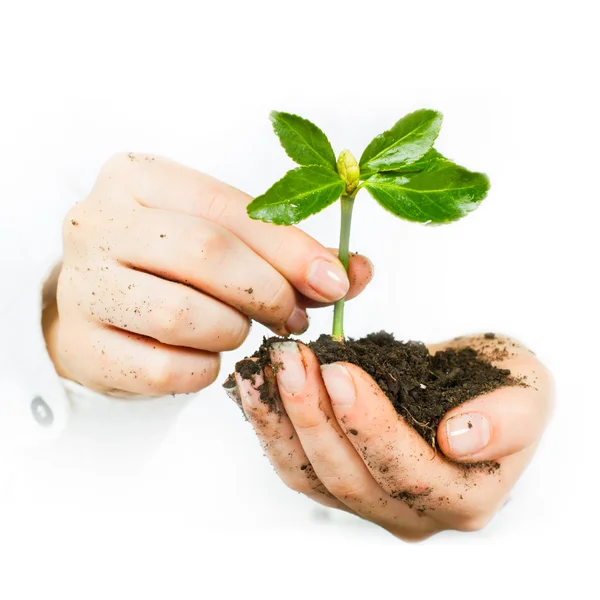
x=398 y=458
x=334 y=457
x=262 y=406
x=360 y=274
x=209 y=258
x=162 y=184
x=503 y=422
x=109 y=360
x=169 y=312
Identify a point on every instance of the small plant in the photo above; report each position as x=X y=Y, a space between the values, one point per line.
x=399 y=168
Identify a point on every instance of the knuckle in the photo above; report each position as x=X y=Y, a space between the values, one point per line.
x=213 y=242
x=473 y=522
x=211 y=370
x=114 y=165
x=345 y=488
x=204 y=242
x=72 y=231
x=163 y=324
x=205 y=373
x=280 y=299
x=306 y=419
x=238 y=332
x=166 y=317
x=162 y=377
x=167 y=327
x=256 y=416
x=299 y=484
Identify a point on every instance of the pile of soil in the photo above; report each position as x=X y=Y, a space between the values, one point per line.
x=422 y=387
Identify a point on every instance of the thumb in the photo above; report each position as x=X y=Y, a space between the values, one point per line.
x=360 y=274
x=494 y=425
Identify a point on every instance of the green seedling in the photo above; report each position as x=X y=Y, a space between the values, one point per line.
x=400 y=168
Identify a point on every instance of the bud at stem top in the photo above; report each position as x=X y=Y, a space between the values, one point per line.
x=349 y=171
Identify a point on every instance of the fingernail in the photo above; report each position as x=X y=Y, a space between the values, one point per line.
x=248 y=391
x=339 y=385
x=231 y=389
x=298 y=321
x=291 y=374
x=328 y=279
x=468 y=433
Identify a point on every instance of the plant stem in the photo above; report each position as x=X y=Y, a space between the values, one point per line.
x=347 y=203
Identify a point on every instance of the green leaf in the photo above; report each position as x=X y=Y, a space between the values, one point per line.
x=436 y=197
x=301 y=193
x=405 y=143
x=431 y=161
x=302 y=140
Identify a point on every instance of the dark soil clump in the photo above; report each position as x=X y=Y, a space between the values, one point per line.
x=422 y=387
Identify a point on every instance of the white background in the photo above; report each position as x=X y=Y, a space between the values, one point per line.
x=195 y=81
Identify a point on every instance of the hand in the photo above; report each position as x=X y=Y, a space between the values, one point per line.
x=337 y=439
x=163 y=269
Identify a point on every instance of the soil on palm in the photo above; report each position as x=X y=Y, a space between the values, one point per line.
x=422 y=387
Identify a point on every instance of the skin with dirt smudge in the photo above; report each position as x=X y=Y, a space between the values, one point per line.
x=162 y=270
x=367 y=459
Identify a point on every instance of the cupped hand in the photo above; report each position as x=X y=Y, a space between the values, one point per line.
x=163 y=270
x=335 y=437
